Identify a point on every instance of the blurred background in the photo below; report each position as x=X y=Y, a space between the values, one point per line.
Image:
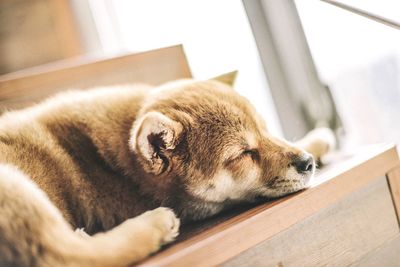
x=302 y=63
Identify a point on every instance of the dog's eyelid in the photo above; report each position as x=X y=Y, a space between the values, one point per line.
x=245 y=152
x=233 y=158
x=251 y=152
x=248 y=151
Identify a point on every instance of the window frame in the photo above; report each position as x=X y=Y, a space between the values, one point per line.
x=303 y=102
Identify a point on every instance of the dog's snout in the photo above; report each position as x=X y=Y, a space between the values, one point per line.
x=304 y=164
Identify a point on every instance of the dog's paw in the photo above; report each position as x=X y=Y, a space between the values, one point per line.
x=164 y=220
x=319 y=142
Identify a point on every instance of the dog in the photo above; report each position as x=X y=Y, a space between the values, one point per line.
x=121 y=164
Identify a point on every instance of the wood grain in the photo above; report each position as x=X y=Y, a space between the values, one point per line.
x=337 y=236
x=393 y=177
x=153 y=67
x=386 y=255
x=233 y=236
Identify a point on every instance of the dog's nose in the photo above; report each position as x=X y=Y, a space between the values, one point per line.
x=304 y=163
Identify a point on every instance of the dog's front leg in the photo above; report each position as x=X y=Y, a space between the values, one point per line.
x=136 y=238
x=318 y=142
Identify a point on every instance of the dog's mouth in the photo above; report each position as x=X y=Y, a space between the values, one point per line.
x=291 y=182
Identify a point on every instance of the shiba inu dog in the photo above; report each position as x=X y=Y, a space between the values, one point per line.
x=125 y=163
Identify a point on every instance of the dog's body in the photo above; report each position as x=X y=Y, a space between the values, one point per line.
x=95 y=159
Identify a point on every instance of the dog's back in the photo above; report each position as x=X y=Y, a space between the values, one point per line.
x=44 y=187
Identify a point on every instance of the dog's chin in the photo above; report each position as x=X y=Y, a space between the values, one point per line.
x=282 y=191
x=290 y=183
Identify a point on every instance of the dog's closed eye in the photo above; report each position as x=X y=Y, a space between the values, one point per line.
x=253 y=153
x=246 y=153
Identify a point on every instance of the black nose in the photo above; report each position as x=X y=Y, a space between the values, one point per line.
x=304 y=164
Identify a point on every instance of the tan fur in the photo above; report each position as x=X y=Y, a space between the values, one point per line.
x=95 y=159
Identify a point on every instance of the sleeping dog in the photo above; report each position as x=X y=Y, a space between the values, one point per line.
x=124 y=163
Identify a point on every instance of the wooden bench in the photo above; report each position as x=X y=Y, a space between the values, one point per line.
x=347 y=217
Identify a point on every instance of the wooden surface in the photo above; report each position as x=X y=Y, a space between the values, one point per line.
x=386 y=255
x=153 y=67
x=206 y=245
x=337 y=236
x=393 y=177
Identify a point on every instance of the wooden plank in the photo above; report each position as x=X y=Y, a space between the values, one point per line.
x=336 y=236
x=228 y=239
x=386 y=255
x=152 y=67
x=393 y=177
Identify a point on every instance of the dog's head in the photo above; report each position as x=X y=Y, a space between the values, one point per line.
x=213 y=141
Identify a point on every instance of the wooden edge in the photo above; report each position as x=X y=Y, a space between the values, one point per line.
x=393 y=177
x=78 y=62
x=170 y=60
x=228 y=239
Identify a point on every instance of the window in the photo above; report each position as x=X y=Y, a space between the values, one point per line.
x=360 y=61
x=216 y=37
x=302 y=101
x=303 y=64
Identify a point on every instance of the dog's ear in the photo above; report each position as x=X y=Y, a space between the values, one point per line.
x=152 y=138
x=227 y=78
